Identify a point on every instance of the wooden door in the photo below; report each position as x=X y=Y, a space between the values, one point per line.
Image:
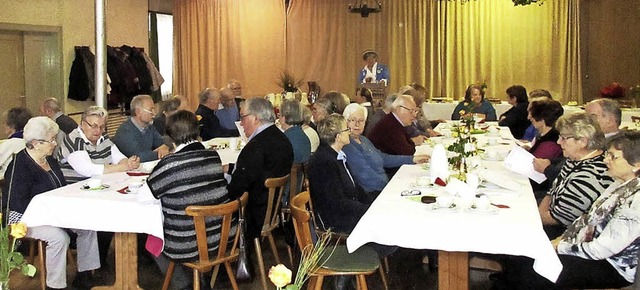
x=12 y=72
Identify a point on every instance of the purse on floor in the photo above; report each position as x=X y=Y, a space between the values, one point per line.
x=242 y=273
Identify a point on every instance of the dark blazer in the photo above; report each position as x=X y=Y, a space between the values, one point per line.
x=66 y=123
x=269 y=154
x=390 y=137
x=210 y=124
x=337 y=201
x=516 y=119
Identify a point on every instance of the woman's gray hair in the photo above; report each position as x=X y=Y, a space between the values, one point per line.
x=38 y=129
x=352 y=108
x=94 y=111
x=291 y=110
x=581 y=125
x=330 y=127
x=261 y=108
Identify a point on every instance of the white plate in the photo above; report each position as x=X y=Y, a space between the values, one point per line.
x=435 y=208
x=496 y=158
x=490 y=210
x=86 y=187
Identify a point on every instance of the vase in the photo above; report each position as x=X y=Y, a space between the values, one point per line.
x=314 y=92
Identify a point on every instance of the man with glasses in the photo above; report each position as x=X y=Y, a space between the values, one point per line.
x=228 y=112
x=136 y=136
x=390 y=135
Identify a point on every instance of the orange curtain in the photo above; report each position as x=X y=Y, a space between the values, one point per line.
x=445 y=45
x=219 y=40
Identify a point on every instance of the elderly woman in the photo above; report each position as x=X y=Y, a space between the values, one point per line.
x=474 y=103
x=367 y=163
x=320 y=110
x=15 y=120
x=311 y=133
x=168 y=107
x=32 y=172
x=338 y=200
x=543 y=115
x=582 y=177
x=600 y=248
x=516 y=117
x=291 y=123
x=190 y=176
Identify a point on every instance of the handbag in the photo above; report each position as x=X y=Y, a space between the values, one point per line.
x=242 y=273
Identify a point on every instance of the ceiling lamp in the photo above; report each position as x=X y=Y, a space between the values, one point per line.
x=362 y=7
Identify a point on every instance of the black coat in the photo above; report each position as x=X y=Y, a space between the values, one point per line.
x=269 y=154
x=516 y=119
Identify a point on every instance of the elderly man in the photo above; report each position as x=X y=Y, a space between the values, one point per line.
x=390 y=135
x=229 y=113
x=51 y=108
x=379 y=114
x=137 y=136
x=209 y=123
x=267 y=154
x=608 y=115
x=236 y=88
x=421 y=127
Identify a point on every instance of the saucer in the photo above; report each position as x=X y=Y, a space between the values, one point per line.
x=496 y=158
x=435 y=208
x=488 y=211
x=86 y=187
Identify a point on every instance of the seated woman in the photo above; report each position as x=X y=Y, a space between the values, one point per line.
x=88 y=151
x=190 y=176
x=338 y=200
x=366 y=162
x=543 y=115
x=291 y=123
x=168 y=107
x=600 y=248
x=582 y=177
x=14 y=121
x=32 y=172
x=474 y=103
x=310 y=132
x=516 y=117
x=538 y=94
x=320 y=110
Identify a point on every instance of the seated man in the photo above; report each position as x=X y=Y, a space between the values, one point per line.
x=390 y=135
x=229 y=113
x=608 y=115
x=137 y=136
x=267 y=154
x=209 y=123
x=51 y=108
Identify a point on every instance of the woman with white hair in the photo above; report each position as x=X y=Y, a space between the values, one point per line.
x=366 y=162
x=34 y=171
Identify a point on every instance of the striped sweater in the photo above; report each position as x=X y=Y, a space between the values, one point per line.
x=76 y=141
x=578 y=185
x=192 y=176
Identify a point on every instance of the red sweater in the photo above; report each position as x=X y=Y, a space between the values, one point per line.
x=390 y=137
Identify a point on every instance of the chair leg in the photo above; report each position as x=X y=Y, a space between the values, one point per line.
x=319 y=281
x=214 y=276
x=168 y=275
x=384 y=278
x=362 y=282
x=290 y=252
x=263 y=275
x=272 y=243
x=386 y=264
x=196 y=280
x=43 y=268
x=232 y=277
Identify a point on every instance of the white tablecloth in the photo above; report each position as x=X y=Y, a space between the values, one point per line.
x=400 y=221
x=227 y=155
x=100 y=210
x=437 y=111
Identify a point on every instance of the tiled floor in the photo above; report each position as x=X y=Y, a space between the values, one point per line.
x=406 y=272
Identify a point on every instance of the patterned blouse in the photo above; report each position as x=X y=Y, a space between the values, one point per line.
x=610 y=230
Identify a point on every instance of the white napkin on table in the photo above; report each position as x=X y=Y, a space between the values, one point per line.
x=438 y=163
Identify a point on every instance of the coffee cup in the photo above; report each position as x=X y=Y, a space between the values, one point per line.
x=482 y=202
x=134 y=187
x=424 y=181
x=444 y=201
x=94 y=183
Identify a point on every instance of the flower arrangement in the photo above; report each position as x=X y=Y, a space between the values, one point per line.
x=466 y=113
x=288 y=82
x=313 y=257
x=465 y=147
x=9 y=258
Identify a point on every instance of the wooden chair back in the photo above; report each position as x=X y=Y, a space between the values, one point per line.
x=276 y=189
x=301 y=217
x=200 y=214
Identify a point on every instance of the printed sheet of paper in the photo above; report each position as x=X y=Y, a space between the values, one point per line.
x=521 y=161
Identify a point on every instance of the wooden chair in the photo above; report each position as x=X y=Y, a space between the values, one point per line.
x=271 y=221
x=224 y=256
x=296 y=185
x=360 y=263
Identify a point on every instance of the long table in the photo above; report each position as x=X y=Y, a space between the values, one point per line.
x=442 y=111
x=102 y=210
x=402 y=221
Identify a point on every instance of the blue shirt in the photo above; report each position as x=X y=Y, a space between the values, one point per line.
x=228 y=117
x=530 y=133
x=300 y=142
x=367 y=164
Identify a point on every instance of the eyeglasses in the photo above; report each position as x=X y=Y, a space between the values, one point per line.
x=152 y=111
x=242 y=116
x=611 y=156
x=345 y=130
x=96 y=126
x=356 y=121
x=566 y=137
x=236 y=88
x=52 y=142
x=413 y=111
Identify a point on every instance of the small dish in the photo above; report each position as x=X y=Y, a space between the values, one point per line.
x=435 y=208
x=488 y=211
x=86 y=187
x=486 y=157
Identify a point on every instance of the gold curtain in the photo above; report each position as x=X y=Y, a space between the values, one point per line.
x=445 y=45
x=219 y=40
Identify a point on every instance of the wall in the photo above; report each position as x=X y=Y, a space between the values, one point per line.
x=126 y=24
